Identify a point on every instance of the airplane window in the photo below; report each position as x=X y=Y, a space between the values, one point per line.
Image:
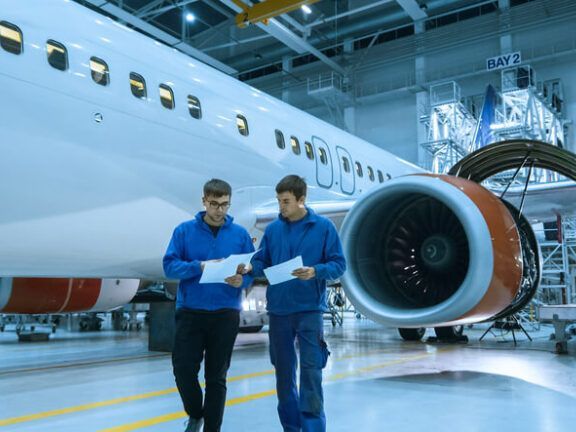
x=323 y=156
x=242 y=124
x=388 y=176
x=346 y=164
x=359 y=170
x=380 y=176
x=280 y=139
x=194 y=107
x=57 y=55
x=370 y=173
x=166 y=96
x=138 y=85
x=10 y=38
x=309 y=150
x=295 y=145
x=100 y=71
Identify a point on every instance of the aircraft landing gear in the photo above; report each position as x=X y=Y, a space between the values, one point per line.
x=450 y=334
x=412 y=334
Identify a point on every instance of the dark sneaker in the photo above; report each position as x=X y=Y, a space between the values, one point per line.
x=194 y=425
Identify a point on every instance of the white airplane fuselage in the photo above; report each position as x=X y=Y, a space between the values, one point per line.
x=93 y=179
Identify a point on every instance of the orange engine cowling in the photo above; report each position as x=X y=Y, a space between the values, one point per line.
x=430 y=251
x=62 y=295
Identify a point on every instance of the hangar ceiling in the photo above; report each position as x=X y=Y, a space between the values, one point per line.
x=206 y=29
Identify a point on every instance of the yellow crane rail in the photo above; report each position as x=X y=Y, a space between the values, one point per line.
x=263 y=11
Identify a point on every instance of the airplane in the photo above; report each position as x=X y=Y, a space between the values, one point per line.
x=109 y=135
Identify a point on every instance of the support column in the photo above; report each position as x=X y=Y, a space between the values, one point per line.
x=350 y=119
x=422 y=96
x=286 y=67
x=505 y=36
x=349 y=111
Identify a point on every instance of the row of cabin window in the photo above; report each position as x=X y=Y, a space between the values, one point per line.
x=295 y=145
x=11 y=41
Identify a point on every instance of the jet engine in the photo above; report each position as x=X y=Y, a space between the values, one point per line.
x=434 y=251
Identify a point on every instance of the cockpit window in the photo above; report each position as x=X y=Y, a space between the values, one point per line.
x=100 y=71
x=370 y=173
x=380 y=176
x=57 y=55
x=138 y=85
x=10 y=38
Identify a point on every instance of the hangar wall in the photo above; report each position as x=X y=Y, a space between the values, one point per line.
x=389 y=82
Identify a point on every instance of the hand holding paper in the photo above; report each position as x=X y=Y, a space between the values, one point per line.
x=219 y=271
x=284 y=271
x=235 y=281
x=305 y=273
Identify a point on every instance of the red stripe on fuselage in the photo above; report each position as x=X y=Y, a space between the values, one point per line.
x=51 y=295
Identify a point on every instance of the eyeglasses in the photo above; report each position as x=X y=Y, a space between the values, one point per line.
x=216 y=205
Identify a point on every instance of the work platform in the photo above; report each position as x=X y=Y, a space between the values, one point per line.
x=560 y=316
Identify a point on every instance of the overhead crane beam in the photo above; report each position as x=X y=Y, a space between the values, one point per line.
x=263 y=11
x=291 y=40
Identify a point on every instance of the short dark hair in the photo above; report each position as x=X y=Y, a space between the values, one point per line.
x=292 y=183
x=217 y=188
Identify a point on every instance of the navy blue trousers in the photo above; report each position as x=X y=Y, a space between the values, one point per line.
x=304 y=410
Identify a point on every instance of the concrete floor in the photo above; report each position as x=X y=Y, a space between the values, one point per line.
x=108 y=381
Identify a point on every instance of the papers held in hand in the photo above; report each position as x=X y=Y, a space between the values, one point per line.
x=283 y=272
x=218 y=271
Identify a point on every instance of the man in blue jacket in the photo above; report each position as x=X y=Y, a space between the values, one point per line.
x=207 y=314
x=295 y=307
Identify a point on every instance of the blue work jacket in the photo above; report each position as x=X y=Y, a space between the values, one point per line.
x=314 y=238
x=193 y=242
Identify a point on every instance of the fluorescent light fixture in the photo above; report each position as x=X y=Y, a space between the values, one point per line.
x=190 y=17
x=306 y=9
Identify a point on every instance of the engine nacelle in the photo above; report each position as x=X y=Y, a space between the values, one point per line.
x=429 y=250
x=62 y=295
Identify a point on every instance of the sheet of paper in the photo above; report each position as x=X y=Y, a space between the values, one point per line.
x=217 y=272
x=283 y=272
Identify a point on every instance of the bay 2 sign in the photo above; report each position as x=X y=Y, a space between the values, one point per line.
x=504 y=61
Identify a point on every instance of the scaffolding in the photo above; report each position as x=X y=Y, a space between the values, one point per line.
x=525 y=111
x=529 y=110
x=558 y=284
x=450 y=128
x=330 y=88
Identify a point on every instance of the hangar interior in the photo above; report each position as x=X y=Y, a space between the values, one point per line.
x=431 y=82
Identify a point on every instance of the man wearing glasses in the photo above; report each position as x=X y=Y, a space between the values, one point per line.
x=207 y=314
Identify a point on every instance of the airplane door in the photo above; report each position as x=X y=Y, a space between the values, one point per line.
x=346 y=172
x=324 y=175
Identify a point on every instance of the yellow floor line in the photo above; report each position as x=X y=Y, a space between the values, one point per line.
x=78 y=408
x=343 y=375
x=89 y=406
x=94 y=405
x=181 y=414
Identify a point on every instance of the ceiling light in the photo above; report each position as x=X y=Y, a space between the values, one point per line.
x=190 y=17
x=306 y=9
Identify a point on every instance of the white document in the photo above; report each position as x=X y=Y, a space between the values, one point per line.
x=217 y=272
x=283 y=272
